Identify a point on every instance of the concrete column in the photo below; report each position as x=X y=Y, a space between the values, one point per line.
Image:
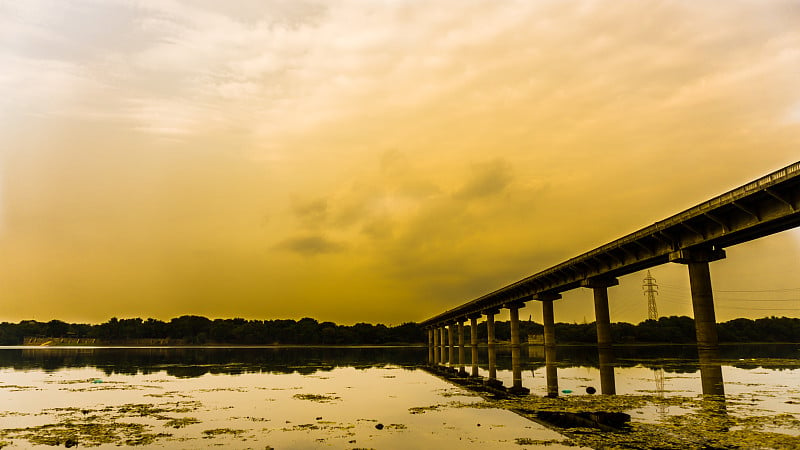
x=461 y=349
x=442 y=345
x=451 y=357
x=436 y=353
x=608 y=383
x=705 y=321
x=549 y=323
x=549 y=341
x=490 y=341
x=430 y=346
x=473 y=340
x=516 y=364
x=602 y=316
x=600 y=287
x=711 y=373
x=551 y=371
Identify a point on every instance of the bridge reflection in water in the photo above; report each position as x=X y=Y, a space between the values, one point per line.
x=585 y=413
x=681 y=359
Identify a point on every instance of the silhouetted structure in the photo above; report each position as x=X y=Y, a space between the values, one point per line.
x=650 y=289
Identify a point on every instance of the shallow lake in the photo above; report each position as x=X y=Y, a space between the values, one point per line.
x=384 y=398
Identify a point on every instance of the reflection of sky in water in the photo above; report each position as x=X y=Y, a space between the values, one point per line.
x=263 y=392
x=265 y=407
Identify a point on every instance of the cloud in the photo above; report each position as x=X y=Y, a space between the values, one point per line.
x=311 y=245
x=430 y=151
x=487 y=179
x=311 y=213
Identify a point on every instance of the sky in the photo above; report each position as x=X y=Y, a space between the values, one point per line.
x=379 y=161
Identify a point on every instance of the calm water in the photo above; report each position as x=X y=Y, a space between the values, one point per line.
x=295 y=398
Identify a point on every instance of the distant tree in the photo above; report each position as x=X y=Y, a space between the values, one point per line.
x=199 y=330
x=56 y=328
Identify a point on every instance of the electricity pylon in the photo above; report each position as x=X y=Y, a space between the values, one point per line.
x=650 y=289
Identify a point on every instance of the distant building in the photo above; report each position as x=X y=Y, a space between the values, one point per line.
x=535 y=339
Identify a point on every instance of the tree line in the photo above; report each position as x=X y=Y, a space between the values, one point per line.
x=198 y=330
x=672 y=329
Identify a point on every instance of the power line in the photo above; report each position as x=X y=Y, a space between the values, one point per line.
x=754 y=308
x=764 y=290
x=730 y=291
x=729 y=299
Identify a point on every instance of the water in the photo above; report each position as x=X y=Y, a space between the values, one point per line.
x=296 y=398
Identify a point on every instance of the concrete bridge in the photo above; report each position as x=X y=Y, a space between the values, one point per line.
x=694 y=237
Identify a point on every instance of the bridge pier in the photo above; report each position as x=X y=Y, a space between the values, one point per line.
x=602 y=317
x=436 y=355
x=442 y=339
x=451 y=349
x=551 y=371
x=608 y=384
x=490 y=342
x=711 y=372
x=430 y=346
x=547 y=317
x=473 y=340
x=516 y=364
x=461 y=349
x=705 y=322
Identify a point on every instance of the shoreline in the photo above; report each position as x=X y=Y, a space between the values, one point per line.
x=397 y=345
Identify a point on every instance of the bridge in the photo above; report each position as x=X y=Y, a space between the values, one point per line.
x=694 y=237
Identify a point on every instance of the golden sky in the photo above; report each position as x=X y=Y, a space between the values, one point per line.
x=378 y=161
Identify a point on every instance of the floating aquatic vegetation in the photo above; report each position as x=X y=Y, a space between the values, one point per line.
x=170 y=394
x=424 y=409
x=709 y=425
x=107 y=386
x=541 y=442
x=223 y=390
x=88 y=433
x=148 y=409
x=302 y=427
x=455 y=393
x=17 y=388
x=180 y=422
x=252 y=419
x=317 y=397
x=221 y=431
